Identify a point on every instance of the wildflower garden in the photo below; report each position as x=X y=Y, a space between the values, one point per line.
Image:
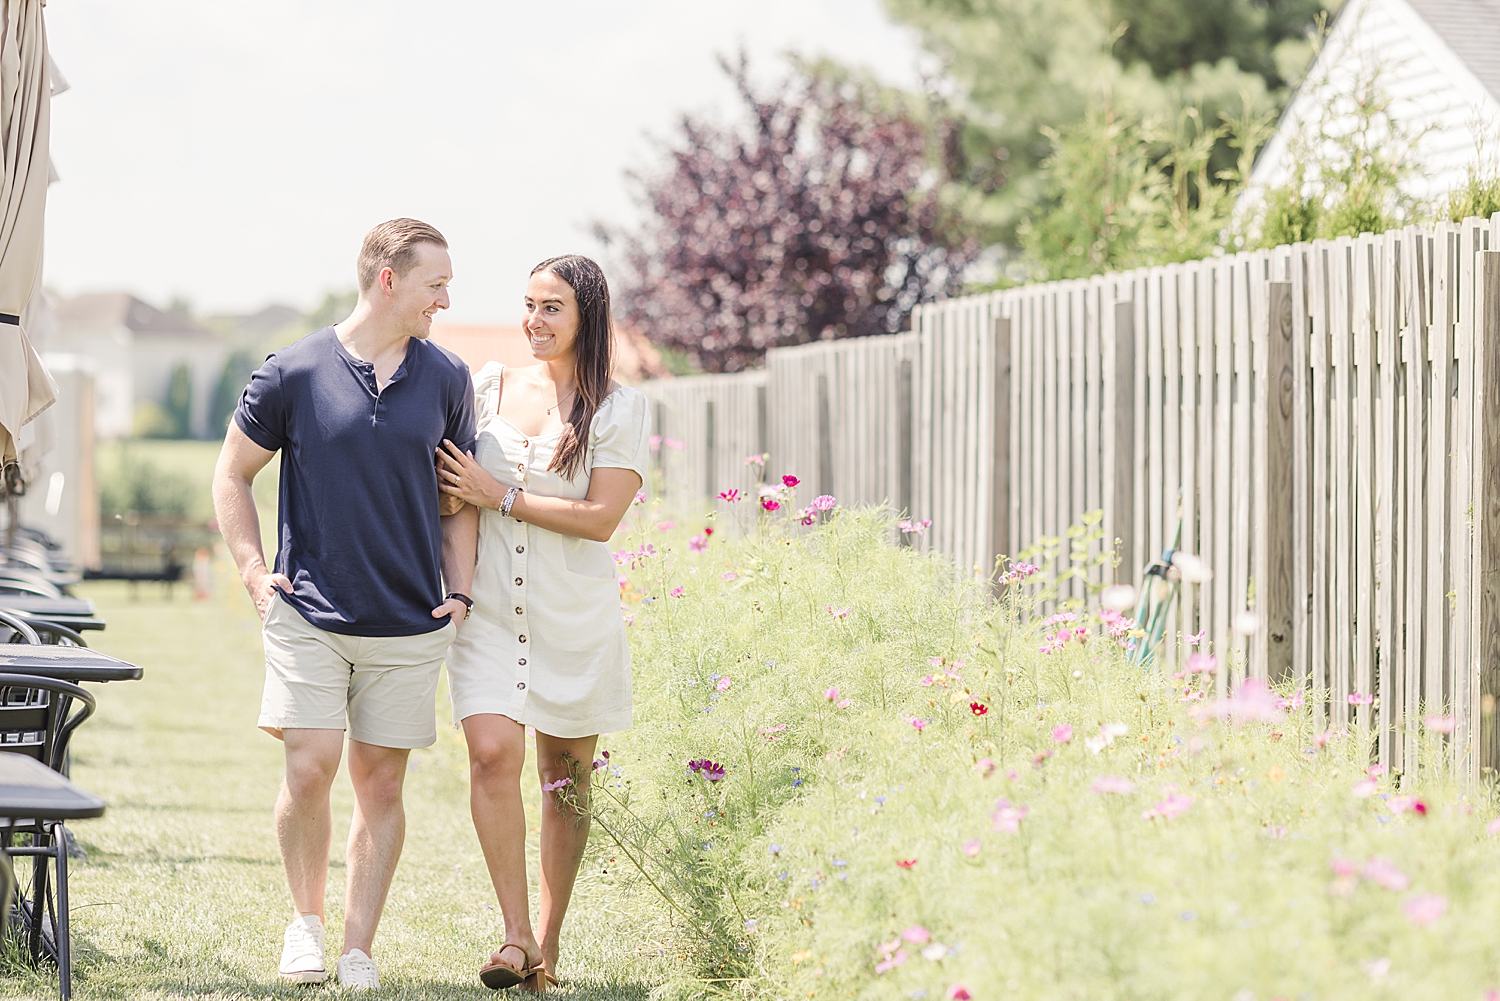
x=856 y=774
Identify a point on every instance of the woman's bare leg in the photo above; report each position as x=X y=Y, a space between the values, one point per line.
x=565 y=830
x=497 y=752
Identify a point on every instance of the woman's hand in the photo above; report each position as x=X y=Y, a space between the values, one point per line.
x=459 y=475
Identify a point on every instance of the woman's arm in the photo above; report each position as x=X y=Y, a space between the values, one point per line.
x=594 y=517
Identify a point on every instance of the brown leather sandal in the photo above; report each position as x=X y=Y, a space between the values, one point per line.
x=499 y=975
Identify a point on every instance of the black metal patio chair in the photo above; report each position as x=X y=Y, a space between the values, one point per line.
x=15 y=629
x=38 y=717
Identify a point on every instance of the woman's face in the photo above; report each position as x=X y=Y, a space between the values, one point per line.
x=551 y=317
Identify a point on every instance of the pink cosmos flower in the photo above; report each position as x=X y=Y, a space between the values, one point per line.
x=790 y=482
x=1356 y=699
x=655 y=442
x=1424 y=909
x=916 y=935
x=1005 y=818
x=674 y=444
x=1115 y=784
x=730 y=496
x=1251 y=701
x=729 y=575
x=917 y=723
x=724 y=683
x=906 y=863
x=1202 y=663
x=1375 y=771
x=1440 y=724
x=1174 y=805
x=1493 y=827
x=698 y=543
x=756 y=460
x=770 y=504
x=1062 y=733
x=1196 y=638
x=958 y=991
x=831 y=694
x=807 y=516
x=824 y=503
x=677 y=592
x=913 y=527
x=640 y=497
x=559 y=784
x=837 y=613
x=985 y=767
x=1364 y=789
x=1407 y=804
x=1342 y=866
x=667 y=526
x=1383 y=872
x=891 y=962
x=971 y=848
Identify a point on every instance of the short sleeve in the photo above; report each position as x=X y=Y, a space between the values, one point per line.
x=459 y=427
x=261 y=413
x=620 y=435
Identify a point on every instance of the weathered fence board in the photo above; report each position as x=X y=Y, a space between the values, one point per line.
x=1316 y=422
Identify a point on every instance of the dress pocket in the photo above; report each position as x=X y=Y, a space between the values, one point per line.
x=586 y=558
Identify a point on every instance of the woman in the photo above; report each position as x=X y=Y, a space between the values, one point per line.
x=545 y=644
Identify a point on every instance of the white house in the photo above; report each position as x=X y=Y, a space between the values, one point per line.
x=132 y=348
x=1438 y=61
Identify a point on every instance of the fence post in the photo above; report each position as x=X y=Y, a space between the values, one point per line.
x=1119 y=495
x=905 y=414
x=710 y=456
x=825 y=437
x=1000 y=472
x=1274 y=595
x=1485 y=622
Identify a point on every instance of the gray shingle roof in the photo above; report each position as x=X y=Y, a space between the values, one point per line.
x=1471 y=28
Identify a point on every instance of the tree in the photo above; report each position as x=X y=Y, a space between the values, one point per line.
x=1022 y=67
x=236 y=375
x=179 y=405
x=823 y=215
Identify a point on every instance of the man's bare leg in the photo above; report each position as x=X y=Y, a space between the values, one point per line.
x=303 y=816
x=565 y=830
x=375 y=838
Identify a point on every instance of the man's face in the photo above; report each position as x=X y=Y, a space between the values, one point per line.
x=415 y=297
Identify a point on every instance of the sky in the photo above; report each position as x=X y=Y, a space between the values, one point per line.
x=235 y=154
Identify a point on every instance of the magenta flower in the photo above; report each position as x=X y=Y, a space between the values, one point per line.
x=1005 y=818
x=730 y=496
x=559 y=784
x=790 y=482
x=1062 y=733
x=724 y=684
x=1174 y=805
x=824 y=503
x=917 y=723
x=677 y=592
x=958 y=991
x=1383 y=872
x=710 y=770
x=1440 y=724
x=978 y=708
x=1424 y=909
x=1407 y=804
x=770 y=504
x=807 y=516
x=1112 y=785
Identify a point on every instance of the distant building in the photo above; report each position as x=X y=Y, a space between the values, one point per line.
x=132 y=349
x=1438 y=61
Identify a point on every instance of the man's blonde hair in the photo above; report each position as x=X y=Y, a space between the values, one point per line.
x=394 y=245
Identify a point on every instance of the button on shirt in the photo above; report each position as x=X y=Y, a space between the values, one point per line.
x=357 y=520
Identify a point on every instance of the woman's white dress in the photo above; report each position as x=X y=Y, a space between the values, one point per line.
x=545 y=644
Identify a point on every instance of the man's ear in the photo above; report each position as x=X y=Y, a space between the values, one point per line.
x=387 y=280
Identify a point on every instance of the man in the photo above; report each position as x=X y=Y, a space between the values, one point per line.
x=355 y=619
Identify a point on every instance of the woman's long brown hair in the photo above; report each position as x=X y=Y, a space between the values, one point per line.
x=594 y=354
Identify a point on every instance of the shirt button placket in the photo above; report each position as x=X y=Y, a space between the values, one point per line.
x=519 y=564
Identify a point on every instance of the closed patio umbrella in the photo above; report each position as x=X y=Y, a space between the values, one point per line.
x=26 y=388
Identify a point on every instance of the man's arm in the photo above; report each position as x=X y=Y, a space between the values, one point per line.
x=460 y=549
x=234 y=505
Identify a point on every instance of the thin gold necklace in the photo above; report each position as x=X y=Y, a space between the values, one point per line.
x=560 y=402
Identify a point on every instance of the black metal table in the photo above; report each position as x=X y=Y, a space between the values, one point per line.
x=30 y=789
x=75 y=613
x=68 y=663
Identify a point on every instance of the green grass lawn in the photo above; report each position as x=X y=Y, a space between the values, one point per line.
x=182 y=891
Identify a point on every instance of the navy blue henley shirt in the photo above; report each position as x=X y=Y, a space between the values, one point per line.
x=357 y=522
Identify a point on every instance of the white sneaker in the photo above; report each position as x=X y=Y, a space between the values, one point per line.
x=357 y=971
x=302 y=951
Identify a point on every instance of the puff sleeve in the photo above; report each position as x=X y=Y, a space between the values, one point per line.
x=620 y=435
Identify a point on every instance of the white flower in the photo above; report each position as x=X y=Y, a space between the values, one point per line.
x=1192 y=568
x=935 y=952
x=1117 y=597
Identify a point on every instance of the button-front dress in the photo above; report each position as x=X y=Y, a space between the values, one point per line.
x=545 y=644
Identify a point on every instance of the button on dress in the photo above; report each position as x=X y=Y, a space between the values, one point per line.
x=545 y=644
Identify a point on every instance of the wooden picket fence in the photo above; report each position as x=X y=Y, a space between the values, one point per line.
x=1319 y=422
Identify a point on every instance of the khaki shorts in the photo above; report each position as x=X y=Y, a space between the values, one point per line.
x=383 y=685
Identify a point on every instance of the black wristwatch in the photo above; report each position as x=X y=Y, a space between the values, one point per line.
x=468 y=602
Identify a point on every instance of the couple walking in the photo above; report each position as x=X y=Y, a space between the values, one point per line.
x=423 y=517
